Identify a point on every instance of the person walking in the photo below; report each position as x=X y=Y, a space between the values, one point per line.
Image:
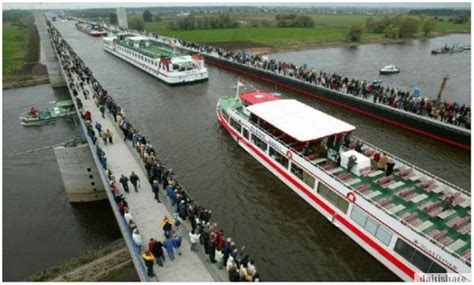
x=158 y=253
x=98 y=127
x=194 y=240
x=103 y=135
x=137 y=238
x=124 y=181
x=102 y=111
x=177 y=241
x=109 y=136
x=168 y=245
x=149 y=262
x=134 y=179
x=156 y=189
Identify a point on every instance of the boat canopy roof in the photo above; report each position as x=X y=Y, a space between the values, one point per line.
x=256 y=97
x=65 y=103
x=298 y=120
x=138 y=38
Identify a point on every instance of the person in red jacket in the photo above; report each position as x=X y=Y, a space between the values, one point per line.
x=151 y=245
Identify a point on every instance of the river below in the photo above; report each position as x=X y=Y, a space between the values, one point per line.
x=288 y=239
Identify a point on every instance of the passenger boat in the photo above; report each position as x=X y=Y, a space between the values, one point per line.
x=411 y=221
x=36 y=117
x=91 y=29
x=389 y=69
x=157 y=59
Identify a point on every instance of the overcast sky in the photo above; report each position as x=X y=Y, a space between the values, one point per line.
x=84 y=5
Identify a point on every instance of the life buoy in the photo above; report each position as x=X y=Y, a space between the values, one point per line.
x=289 y=154
x=351 y=197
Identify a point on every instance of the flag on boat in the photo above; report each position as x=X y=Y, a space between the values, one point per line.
x=240 y=83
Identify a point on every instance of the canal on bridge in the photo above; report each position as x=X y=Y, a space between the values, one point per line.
x=288 y=239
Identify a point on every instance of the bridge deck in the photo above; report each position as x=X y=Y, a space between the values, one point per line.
x=146 y=211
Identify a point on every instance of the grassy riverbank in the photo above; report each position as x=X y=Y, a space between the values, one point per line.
x=21 y=52
x=69 y=266
x=329 y=30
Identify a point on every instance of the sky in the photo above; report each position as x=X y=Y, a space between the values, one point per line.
x=109 y=4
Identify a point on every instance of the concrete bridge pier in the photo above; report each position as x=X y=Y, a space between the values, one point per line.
x=79 y=172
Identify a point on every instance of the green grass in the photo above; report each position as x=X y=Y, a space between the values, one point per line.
x=450 y=27
x=15 y=48
x=328 y=29
x=271 y=36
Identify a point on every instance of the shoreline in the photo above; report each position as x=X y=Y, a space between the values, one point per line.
x=265 y=50
x=22 y=82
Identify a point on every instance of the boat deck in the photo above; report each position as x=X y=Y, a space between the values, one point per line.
x=413 y=197
x=153 y=50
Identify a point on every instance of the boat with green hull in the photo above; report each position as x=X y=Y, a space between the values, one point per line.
x=35 y=117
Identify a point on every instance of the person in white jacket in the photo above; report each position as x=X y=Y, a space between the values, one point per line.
x=137 y=238
x=194 y=240
x=128 y=217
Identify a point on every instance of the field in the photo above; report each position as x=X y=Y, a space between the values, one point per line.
x=329 y=30
x=15 y=48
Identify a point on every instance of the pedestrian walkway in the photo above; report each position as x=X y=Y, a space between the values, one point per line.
x=146 y=212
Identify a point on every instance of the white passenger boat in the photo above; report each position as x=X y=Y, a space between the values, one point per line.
x=157 y=59
x=389 y=69
x=410 y=221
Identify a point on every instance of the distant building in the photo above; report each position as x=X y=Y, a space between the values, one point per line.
x=183 y=14
x=122 y=18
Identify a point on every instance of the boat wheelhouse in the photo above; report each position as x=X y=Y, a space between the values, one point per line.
x=157 y=59
x=409 y=220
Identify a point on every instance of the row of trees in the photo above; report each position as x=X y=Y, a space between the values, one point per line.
x=293 y=20
x=402 y=26
x=221 y=21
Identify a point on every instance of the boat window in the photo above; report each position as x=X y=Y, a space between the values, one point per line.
x=258 y=142
x=246 y=133
x=236 y=125
x=278 y=157
x=333 y=197
x=308 y=179
x=421 y=261
x=373 y=227
x=297 y=171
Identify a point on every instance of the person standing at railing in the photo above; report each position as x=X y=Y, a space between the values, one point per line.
x=137 y=238
x=149 y=262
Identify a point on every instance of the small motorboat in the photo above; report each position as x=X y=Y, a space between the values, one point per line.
x=36 y=117
x=466 y=47
x=389 y=69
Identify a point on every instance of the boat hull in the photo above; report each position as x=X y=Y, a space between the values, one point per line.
x=171 y=80
x=326 y=210
x=27 y=121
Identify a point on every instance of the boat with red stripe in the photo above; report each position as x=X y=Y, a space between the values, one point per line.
x=408 y=219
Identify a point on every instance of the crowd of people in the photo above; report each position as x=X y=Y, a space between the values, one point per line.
x=221 y=250
x=444 y=111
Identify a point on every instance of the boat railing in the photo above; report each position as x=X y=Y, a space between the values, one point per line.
x=397 y=218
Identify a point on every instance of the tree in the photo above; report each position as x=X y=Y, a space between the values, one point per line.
x=157 y=18
x=147 y=16
x=428 y=26
x=113 y=18
x=392 y=31
x=407 y=26
x=136 y=24
x=354 y=34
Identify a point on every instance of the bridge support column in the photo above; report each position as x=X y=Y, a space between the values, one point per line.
x=80 y=175
x=55 y=77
